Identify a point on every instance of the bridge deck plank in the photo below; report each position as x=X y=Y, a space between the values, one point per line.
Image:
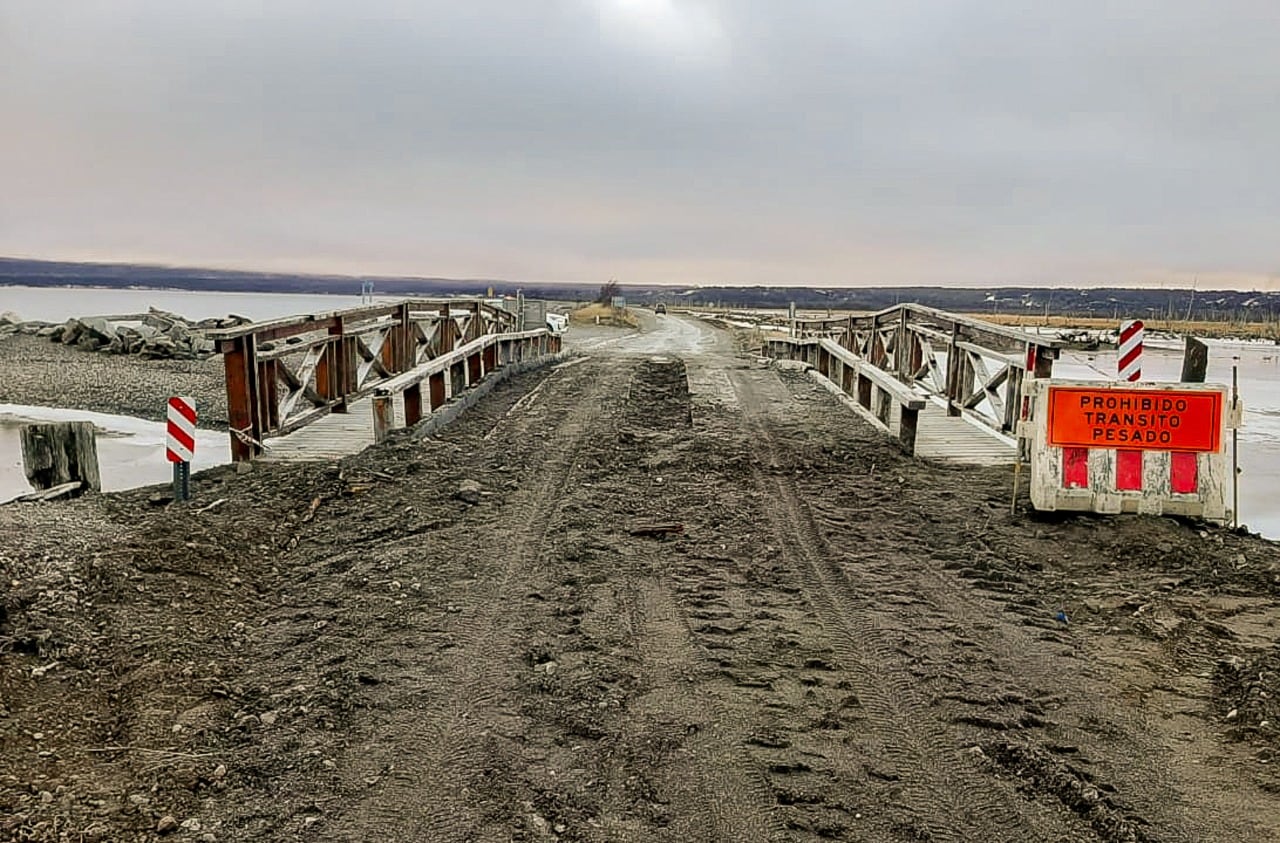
x=952 y=439
x=336 y=435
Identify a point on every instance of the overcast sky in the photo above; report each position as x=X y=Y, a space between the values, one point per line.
x=827 y=142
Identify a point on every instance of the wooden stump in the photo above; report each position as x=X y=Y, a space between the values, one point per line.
x=61 y=453
x=1195 y=361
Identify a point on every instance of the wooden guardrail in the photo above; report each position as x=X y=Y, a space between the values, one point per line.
x=877 y=392
x=452 y=372
x=285 y=373
x=978 y=368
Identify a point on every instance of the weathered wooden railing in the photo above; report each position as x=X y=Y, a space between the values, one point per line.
x=978 y=368
x=877 y=392
x=284 y=374
x=451 y=373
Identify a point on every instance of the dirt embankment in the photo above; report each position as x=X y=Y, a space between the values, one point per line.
x=835 y=642
x=603 y=314
x=34 y=371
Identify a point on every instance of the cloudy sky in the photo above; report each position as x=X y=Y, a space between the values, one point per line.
x=824 y=142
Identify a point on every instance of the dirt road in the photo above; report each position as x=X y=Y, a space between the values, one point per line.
x=691 y=599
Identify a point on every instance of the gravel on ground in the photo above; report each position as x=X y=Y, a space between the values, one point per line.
x=37 y=372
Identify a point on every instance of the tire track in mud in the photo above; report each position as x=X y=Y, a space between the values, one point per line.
x=946 y=796
x=436 y=748
x=728 y=800
x=1060 y=744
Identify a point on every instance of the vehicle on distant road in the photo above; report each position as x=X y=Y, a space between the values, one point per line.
x=660 y=308
x=557 y=322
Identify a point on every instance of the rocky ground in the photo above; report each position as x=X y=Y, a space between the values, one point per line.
x=35 y=371
x=634 y=598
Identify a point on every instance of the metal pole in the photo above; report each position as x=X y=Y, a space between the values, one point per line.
x=1235 y=447
x=182 y=481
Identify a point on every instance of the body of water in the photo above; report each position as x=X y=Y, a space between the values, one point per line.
x=57 y=304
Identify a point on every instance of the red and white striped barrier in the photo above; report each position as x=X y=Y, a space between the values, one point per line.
x=181 y=445
x=1120 y=447
x=1130 y=362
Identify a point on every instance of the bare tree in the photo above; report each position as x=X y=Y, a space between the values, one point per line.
x=608 y=291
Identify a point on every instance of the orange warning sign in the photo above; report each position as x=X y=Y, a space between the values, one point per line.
x=1135 y=419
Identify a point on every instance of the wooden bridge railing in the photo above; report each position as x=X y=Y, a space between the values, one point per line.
x=285 y=373
x=879 y=393
x=977 y=367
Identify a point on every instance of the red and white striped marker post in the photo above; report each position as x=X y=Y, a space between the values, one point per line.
x=181 y=445
x=1130 y=364
x=1129 y=367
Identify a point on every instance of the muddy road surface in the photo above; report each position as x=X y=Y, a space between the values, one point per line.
x=661 y=592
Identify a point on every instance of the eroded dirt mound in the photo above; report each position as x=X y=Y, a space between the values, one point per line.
x=1247 y=694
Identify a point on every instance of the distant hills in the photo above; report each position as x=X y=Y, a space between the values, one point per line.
x=1117 y=302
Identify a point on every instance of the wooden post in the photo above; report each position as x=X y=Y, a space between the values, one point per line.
x=875 y=349
x=383 y=416
x=239 y=360
x=907 y=431
x=964 y=381
x=446 y=331
x=435 y=388
x=413 y=404
x=864 y=390
x=902 y=349
x=1195 y=361
x=1044 y=361
x=457 y=378
x=953 y=372
x=268 y=394
x=60 y=454
x=404 y=358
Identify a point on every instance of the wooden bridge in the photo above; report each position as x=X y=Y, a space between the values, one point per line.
x=946 y=386
x=316 y=371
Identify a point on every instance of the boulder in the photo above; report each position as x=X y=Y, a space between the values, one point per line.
x=71 y=330
x=90 y=342
x=99 y=328
x=160 y=347
x=8 y=317
x=171 y=318
x=179 y=333
x=157 y=322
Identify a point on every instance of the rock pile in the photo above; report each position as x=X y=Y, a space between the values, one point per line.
x=156 y=334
